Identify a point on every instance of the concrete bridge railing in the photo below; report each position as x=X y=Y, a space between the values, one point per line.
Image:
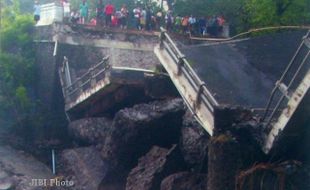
x=202 y=105
x=72 y=90
x=96 y=87
x=288 y=93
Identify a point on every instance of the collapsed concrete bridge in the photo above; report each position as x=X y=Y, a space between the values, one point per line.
x=224 y=75
x=118 y=88
x=207 y=76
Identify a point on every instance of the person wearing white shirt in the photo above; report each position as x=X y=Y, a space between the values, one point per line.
x=37 y=12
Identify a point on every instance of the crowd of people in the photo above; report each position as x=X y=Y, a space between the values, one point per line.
x=142 y=18
x=199 y=26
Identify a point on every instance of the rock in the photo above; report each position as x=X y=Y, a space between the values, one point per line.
x=7 y=185
x=185 y=181
x=193 y=143
x=225 y=117
x=6 y=182
x=135 y=130
x=160 y=87
x=153 y=167
x=3 y=175
x=224 y=160
x=17 y=169
x=90 y=130
x=84 y=167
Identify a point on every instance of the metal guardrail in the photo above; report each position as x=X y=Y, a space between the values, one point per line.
x=203 y=95
x=280 y=86
x=88 y=80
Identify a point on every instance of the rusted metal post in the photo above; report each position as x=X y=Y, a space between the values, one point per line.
x=180 y=63
x=93 y=80
x=198 y=95
x=67 y=95
x=162 y=37
x=79 y=86
x=67 y=72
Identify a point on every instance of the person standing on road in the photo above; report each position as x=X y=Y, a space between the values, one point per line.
x=192 y=23
x=159 y=16
x=83 y=11
x=169 y=21
x=66 y=6
x=109 y=11
x=184 y=24
x=137 y=15
x=124 y=16
x=177 y=24
x=100 y=13
x=143 y=19
x=37 y=11
x=148 y=20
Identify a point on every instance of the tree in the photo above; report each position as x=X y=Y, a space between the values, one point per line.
x=17 y=74
x=277 y=12
x=245 y=14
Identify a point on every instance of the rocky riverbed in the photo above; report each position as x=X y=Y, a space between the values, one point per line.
x=154 y=146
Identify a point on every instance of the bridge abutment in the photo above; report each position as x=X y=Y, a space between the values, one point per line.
x=224 y=161
x=232 y=148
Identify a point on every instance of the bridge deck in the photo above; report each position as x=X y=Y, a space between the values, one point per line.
x=244 y=72
x=251 y=73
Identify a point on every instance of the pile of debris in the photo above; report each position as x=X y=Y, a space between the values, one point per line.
x=159 y=145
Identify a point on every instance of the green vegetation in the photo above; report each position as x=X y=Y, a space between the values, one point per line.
x=277 y=12
x=245 y=14
x=241 y=14
x=17 y=68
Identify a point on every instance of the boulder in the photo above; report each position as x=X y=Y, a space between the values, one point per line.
x=135 y=130
x=84 y=167
x=185 y=181
x=18 y=169
x=90 y=130
x=160 y=87
x=153 y=168
x=6 y=182
x=193 y=143
x=224 y=161
x=6 y=185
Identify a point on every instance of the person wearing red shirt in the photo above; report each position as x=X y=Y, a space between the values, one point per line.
x=108 y=10
x=114 y=21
